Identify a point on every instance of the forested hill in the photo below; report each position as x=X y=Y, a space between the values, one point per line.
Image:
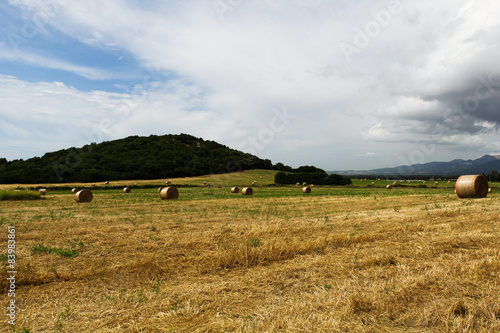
x=134 y=157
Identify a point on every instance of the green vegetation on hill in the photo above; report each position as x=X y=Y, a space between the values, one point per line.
x=134 y=157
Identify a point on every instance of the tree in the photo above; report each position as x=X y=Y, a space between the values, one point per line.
x=493 y=176
x=281 y=167
x=318 y=178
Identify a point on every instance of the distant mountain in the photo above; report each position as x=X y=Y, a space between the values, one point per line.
x=134 y=157
x=484 y=164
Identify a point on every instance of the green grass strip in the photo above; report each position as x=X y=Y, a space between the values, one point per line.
x=19 y=195
x=39 y=248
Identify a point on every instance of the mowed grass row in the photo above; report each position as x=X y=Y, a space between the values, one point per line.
x=338 y=259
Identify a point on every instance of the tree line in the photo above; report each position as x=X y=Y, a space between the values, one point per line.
x=310 y=175
x=153 y=157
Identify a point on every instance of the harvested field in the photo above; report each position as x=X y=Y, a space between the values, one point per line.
x=335 y=260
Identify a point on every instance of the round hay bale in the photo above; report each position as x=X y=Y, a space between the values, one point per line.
x=389 y=187
x=159 y=189
x=472 y=186
x=42 y=191
x=436 y=183
x=127 y=190
x=304 y=184
x=169 y=193
x=297 y=184
x=306 y=189
x=74 y=190
x=83 y=196
x=490 y=190
x=235 y=190
x=372 y=183
x=107 y=182
x=261 y=177
x=204 y=183
x=247 y=191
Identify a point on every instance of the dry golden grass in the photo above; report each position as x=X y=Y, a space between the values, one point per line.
x=278 y=261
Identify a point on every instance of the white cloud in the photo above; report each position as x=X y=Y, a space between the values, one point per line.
x=378 y=133
x=230 y=71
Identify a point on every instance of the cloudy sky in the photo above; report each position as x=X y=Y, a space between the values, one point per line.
x=344 y=84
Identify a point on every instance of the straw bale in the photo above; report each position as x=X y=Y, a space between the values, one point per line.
x=83 y=196
x=247 y=191
x=472 y=186
x=169 y=193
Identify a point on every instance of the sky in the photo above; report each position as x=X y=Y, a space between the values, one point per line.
x=342 y=85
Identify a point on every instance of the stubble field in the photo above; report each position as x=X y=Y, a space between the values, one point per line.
x=354 y=259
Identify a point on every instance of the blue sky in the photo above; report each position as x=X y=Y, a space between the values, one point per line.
x=340 y=85
x=22 y=35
